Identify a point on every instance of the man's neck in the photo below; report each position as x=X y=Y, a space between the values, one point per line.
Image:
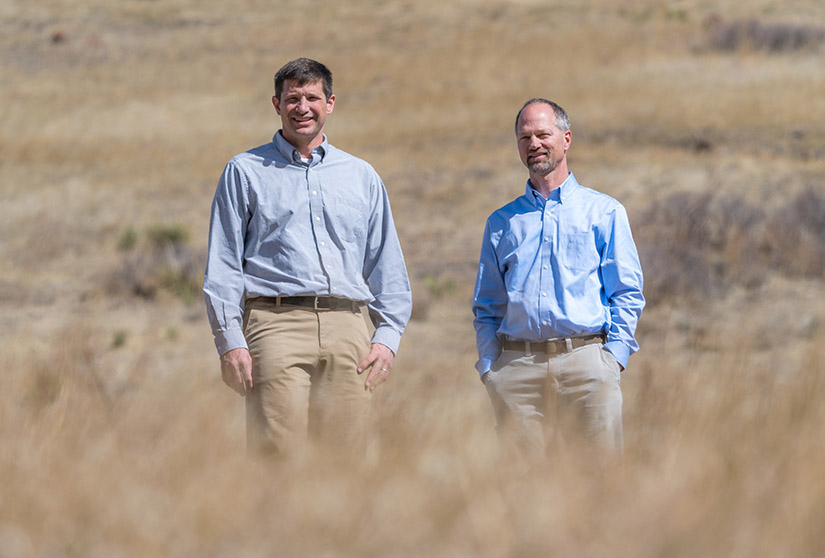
x=546 y=183
x=305 y=148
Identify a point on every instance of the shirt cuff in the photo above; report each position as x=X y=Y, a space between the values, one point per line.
x=387 y=337
x=230 y=339
x=619 y=350
x=483 y=365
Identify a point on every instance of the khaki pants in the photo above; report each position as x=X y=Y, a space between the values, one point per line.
x=571 y=398
x=304 y=378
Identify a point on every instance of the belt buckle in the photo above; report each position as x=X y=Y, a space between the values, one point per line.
x=552 y=346
x=558 y=345
x=315 y=303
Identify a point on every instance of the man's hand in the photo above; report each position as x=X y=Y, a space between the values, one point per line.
x=236 y=369
x=380 y=359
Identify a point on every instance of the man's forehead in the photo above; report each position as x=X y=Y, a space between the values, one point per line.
x=537 y=122
x=292 y=84
x=536 y=111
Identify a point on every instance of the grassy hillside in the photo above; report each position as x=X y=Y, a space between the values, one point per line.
x=704 y=118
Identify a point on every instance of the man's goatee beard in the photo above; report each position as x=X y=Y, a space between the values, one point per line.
x=542 y=168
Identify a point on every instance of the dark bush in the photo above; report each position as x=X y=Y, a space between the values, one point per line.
x=795 y=239
x=694 y=247
x=755 y=35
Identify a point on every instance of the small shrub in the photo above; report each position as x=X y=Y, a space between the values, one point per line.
x=119 y=339
x=428 y=291
x=45 y=388
x=128 y=240
x=164 y=235
x=181 y=280
x=164 y=263
x=440 y=286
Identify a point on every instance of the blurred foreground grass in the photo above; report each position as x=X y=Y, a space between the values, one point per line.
x=724 y=458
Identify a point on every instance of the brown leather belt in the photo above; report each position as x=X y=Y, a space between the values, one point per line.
x=553 y=346
x=314 y=302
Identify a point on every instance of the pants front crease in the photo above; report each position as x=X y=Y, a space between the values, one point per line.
x=305 y=378
x=569 y=398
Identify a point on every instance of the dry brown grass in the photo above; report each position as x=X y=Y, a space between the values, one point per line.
x=117 y=437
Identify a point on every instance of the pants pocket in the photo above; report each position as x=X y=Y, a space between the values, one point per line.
x=611 y=364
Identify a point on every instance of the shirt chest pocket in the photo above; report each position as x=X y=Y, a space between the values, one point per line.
x=347 y=217
x=578 y=251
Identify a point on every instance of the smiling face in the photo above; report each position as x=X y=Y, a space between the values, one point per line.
x=303 y=109
x=542 y=145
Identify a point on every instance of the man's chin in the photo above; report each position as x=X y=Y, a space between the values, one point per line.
x=540 y=168
x=304 y=130
x=305 y=133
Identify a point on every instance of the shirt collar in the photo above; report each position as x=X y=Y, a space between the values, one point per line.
x=291 y=154
x=559 y=194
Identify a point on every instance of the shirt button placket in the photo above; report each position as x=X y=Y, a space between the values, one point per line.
x=316 y=206
x=546 y=251
x=316 y=209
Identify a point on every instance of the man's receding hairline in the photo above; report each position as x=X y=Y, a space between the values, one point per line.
x=559 y=114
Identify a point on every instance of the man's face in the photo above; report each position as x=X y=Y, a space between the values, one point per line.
x=541 y=144
x=303 y=110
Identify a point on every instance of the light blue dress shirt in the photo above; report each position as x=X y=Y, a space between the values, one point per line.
x=558 y=267
x=281 y=226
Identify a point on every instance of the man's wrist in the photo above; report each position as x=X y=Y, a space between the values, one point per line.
x=387 y=337
x=383 y=345
x=226 y=341
x=619 y=351
x=483 y=365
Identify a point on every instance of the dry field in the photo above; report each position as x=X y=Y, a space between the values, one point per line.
x=707 y=119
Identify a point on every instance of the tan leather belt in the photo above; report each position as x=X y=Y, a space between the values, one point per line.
x=553 y=346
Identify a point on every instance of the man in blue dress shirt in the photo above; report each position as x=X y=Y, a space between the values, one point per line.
x=301 y=237
x=557 y=299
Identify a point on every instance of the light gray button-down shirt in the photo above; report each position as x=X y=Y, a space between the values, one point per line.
x=281 y=226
